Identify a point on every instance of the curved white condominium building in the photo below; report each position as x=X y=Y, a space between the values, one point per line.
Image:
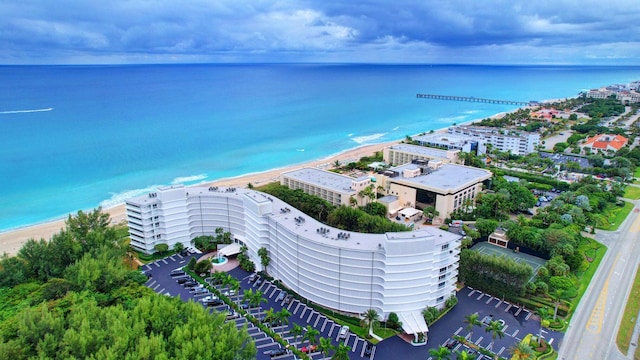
x=402 y=272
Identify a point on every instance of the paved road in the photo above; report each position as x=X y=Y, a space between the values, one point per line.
x=594 y=327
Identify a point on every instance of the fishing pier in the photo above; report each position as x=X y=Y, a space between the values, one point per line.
x=475 y=99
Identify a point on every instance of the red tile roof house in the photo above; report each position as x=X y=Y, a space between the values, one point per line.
x=605 y=142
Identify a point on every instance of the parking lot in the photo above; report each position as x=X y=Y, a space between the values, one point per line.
x=163 y=281
x=518 y=321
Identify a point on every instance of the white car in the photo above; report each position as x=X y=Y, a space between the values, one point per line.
x=209 y=298
x=344 y=331
x=229 y=293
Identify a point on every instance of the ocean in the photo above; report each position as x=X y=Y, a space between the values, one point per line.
x=78 y=137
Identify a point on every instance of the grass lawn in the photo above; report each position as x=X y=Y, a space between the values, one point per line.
x=595 y=252
x=614 y=215
x=637 y=172
x=629 y=318
x=632 y=192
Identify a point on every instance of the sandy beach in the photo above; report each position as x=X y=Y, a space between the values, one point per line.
x=12 y=241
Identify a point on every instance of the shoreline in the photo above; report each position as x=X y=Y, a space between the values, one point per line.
x=11 y=240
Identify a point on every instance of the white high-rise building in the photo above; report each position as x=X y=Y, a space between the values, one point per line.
x=402 y=272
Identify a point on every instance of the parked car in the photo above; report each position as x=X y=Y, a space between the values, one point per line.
x=258 y=282
x=213 y=302
x=209 y=298
x=368 y=349
x=277 y=352
x=281 y=296
x=344 y=332
x=230 y=292
x=190 y=284
x=177 y=272
x=309 y=349
x=451 y=343
x=232 y=314
x=252 y=277
x=182 y=280
x=288 y=298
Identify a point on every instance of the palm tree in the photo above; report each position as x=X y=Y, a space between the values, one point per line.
x=472 y=321
x=325 y=346
x=342 y=352
x=311 y=334
x=556 y=296
x=522 y=351
x=269 y=315
x=430 y=212
x=282 y=316
x=370 y=319
x=495 y=328
x=441 y=353
x=336 y=164
x=296 y=331
x=464 y=355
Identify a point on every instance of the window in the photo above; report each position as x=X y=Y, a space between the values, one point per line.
x=442 y=277
x=445 y=247
x=440 y=299
x=443 y=270
x=441 y=285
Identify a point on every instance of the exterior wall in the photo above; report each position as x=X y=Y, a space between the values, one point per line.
x=400 y=272
x=521 y=144
x=332 y=196
x=398 y=156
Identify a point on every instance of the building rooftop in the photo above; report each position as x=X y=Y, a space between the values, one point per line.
x=449 y=178
x=420 y=150
x=449 y=139
x=325 y=179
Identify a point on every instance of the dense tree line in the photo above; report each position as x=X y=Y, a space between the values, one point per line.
x=370 y=218
x=494 y=274
x=77 y=296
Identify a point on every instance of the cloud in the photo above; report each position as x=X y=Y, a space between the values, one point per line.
x=453 y=31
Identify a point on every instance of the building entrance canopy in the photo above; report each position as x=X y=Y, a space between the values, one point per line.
x=413 y=322
x=232 y=249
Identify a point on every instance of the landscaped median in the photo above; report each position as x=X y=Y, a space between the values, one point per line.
x=629 y=317
x=275 y=336
x=632 y=192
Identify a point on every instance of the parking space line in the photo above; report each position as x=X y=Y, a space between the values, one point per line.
x=324 y=324
x=355 y=344
x=155 y=287
x=458 y=331
x=161 y=291
x=551 y=341
x=316 y=323
x=332 y=327
x=528 y=315
x=480 y=297
x=488 y=301
x=156 y=264
x=515 y=332
x=505 y=328
x=165 y=262
x=508 y=307
x=180 y=256
x=518 y=312
x=152 y=283
x=500 y=352
x=471 y=293
x=172 y=259
x=265 y=345
x=498 y=304
x=302 y=313
x=310 y=316
x=479 y=340
x=290 y=305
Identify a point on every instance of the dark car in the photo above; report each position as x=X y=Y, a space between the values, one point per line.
x=450 y=343
x=182 y=280
x=190 y=284
x=288 y=298
x=213 y=302
x=368 y=349
x=277 y=352
x=258 y=282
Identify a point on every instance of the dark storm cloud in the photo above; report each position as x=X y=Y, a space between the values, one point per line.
x=329 y=30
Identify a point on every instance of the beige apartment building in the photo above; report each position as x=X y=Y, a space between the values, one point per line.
x=337 y=189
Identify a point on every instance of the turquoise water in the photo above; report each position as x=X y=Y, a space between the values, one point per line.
x=102 y=134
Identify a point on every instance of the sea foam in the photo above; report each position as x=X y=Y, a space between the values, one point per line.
x=189 y=179
x=367 y=138
x=119 y=198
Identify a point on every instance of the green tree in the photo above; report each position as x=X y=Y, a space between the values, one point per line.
x=296 y=331
x=203 y=267
x=192 y=264
x=441 y=353
x=495 y=328
x=325 y=346
x=82 y=224
x=430 y=212
x=472 y=321
x=342 y=352
x=464 y=355
x=161 y=248
x=370 y=319
x=178 y=247
x=522 y=351
x=311 y=334
x=264 y=258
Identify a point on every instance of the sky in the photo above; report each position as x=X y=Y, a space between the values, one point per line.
x=586 y=32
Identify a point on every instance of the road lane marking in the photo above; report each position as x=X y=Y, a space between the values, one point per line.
x=596 y=318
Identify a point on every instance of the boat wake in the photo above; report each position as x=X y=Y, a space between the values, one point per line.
x=25 y=111
x=301 y=150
